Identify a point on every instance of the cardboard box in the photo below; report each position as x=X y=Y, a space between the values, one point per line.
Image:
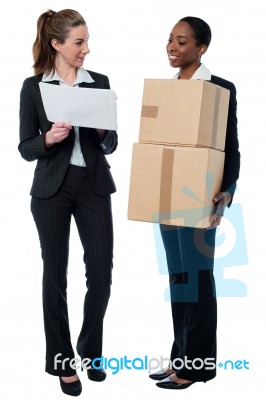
x=184 y=112
x=174 y=185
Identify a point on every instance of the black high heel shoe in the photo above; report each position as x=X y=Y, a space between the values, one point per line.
x=96 y=375
x=167 y=383
x=160 y=375
x=72 y=389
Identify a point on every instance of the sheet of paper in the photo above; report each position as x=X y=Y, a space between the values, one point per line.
x=92 y=108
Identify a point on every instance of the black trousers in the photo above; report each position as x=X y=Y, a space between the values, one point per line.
x=190 y=260
x=93 y=217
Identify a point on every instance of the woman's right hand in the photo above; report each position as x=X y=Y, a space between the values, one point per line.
x=58 y=132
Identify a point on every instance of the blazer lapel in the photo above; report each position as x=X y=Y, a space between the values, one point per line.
x=87 y=85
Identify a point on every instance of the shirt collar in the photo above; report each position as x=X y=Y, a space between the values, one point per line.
x=82 y=76
x=201 y=73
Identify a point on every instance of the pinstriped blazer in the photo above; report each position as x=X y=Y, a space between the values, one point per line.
x=52 y=163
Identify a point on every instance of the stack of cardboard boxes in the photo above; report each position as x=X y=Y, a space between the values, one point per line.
x=177 y=166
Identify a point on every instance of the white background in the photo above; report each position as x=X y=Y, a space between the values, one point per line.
x=128 y=39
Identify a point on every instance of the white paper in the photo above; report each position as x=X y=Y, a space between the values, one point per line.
x=92 y=108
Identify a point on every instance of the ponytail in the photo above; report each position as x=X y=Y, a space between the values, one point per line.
x=43 y=51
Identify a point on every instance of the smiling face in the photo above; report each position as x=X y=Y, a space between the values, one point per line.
x=75 y=48
x=183 y=50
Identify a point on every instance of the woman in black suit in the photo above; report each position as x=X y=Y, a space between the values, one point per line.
x=190 y=251
x=72 y=177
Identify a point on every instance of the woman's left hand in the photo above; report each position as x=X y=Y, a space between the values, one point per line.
x=222 y=199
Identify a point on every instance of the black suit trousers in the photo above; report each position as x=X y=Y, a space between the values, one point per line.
x=93 y=218
x=190 y=260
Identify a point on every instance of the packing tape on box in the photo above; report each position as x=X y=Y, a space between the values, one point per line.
x=149 y=111
x=166 y=182
x=216 y=116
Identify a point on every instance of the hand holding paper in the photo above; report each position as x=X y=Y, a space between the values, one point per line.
x=58 y=132
x=92 y=108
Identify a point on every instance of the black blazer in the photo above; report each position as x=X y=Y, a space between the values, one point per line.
x=232 y=155
x=53 y=162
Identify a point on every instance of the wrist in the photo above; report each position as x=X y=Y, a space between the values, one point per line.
x=228 y=196
x=48 y=140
